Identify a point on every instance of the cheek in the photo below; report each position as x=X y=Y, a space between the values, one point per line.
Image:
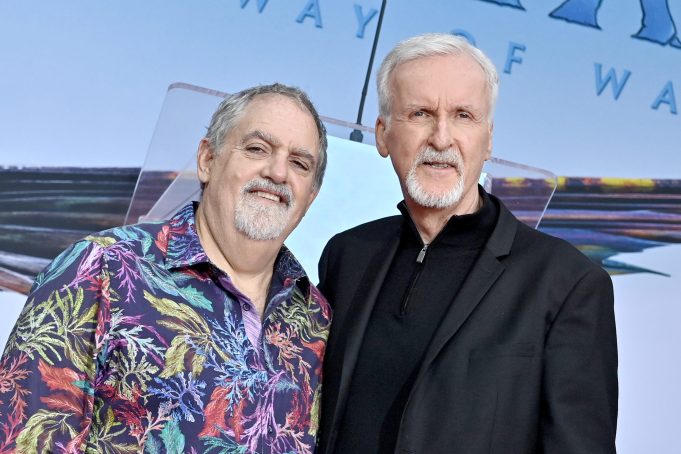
x=474 y=168
x=227 y=190
x=302 y=188
x=401 y=166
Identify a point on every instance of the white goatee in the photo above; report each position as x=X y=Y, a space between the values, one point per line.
x=436 y=199
x=259 y=219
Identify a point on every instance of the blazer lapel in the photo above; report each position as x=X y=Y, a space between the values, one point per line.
x=358 y=318
x=482 y=276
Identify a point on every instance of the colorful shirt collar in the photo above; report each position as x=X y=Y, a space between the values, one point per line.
x=183 y=247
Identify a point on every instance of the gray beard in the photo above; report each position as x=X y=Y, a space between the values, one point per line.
x=432 y=199
x=258 y=219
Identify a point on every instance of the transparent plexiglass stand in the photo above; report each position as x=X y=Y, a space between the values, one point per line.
x=359 y=185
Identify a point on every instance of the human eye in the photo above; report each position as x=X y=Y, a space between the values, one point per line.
x=301 y=164
x=256 y=149
x=419 y=115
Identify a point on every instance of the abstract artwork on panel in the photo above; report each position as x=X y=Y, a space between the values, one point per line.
x=45 y=209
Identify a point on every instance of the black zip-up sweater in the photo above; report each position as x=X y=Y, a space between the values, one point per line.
x=421 y=284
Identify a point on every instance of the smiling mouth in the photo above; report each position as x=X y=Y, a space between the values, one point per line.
x=269 y=196
x=439 y=165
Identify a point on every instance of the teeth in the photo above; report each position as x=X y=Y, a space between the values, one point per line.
x=439 y=165
x=268 y=196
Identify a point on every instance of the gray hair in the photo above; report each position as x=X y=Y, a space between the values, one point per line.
x=429 y=45
x=230 y=110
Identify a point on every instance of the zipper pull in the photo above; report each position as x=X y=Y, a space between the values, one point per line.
x=422 y=254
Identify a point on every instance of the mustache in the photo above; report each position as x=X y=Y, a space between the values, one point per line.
x=448 y=156
x=262 y=184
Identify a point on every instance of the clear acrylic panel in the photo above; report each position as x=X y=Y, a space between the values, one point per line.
x=359 y=185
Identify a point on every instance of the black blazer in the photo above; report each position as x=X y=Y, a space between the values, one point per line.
x=524 y=360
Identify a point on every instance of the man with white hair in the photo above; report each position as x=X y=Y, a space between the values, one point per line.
x=458 y=329
x=194 y=334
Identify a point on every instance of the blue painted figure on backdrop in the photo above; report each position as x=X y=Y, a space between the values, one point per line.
x=198 y=334
x=657 y=23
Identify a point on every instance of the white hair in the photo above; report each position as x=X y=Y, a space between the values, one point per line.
x=429 y=45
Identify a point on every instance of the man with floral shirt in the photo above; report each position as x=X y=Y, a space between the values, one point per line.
x=198 y=334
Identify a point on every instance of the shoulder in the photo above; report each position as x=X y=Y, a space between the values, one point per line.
x=86 y=256
x=370 y=232
x=541 y=243
x=345 y=256
x=361 y=241
x=531 y=252
x=136 y=237
x=521 y=240
x=554 y=257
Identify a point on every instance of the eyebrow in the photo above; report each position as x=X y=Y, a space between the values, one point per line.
x=269 y=138
x=431 y=107
x=470 y=107
x=262 y=135
x=305 y=154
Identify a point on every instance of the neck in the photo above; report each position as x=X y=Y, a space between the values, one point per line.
x=430 y=221
x=248 y=263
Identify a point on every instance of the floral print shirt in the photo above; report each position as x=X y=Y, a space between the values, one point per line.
x=132 y=341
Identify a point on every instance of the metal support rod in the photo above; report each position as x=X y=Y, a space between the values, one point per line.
x=356 y=135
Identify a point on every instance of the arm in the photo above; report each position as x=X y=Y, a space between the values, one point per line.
x=48 y=368
x=579 y=389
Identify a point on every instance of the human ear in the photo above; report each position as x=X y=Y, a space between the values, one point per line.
x=488 y=153
x=204 y=159
x=380 y=137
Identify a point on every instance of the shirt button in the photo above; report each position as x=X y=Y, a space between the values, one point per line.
x=246 y=307
x=270 y=430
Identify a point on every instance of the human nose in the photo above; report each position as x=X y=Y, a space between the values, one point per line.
x=442 y=136
x=276 y=168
